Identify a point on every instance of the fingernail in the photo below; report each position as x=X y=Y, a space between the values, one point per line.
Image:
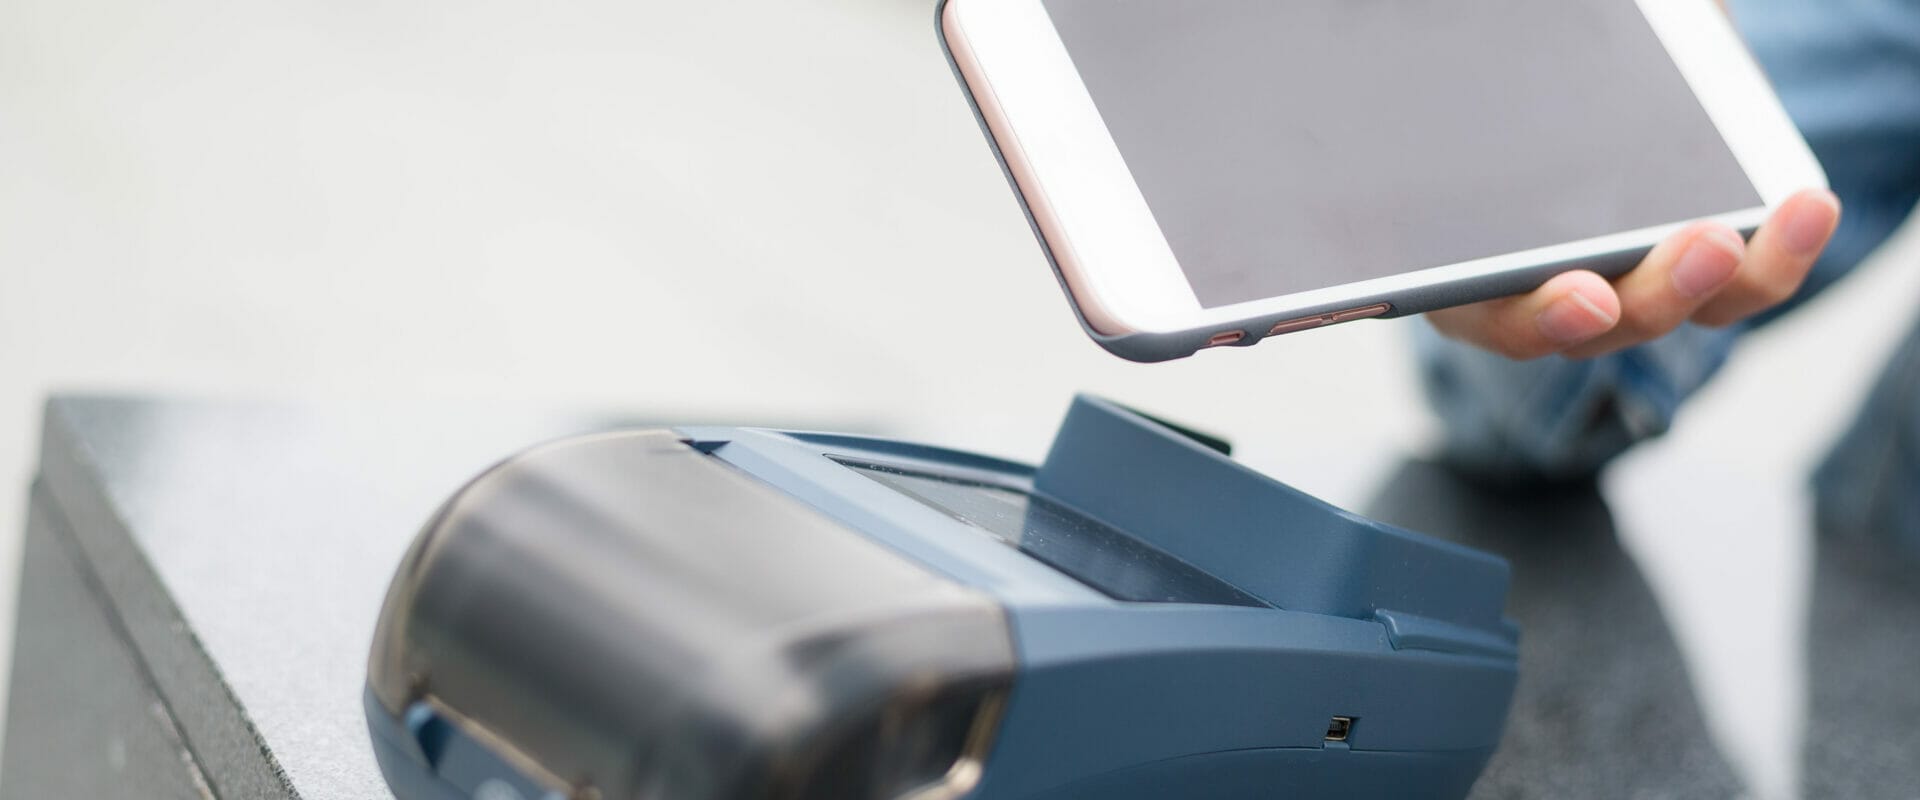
x=1708 y=263
x=1573 y=319
x=1805 y=230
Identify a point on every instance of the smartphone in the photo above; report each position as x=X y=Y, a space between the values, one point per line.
x=1206 y=173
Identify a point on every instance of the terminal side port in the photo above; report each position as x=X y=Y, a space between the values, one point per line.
x=1338 y=728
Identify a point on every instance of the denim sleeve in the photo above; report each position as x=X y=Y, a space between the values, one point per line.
x=1849 y=74
x=1555 y=418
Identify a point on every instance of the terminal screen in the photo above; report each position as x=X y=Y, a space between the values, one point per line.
x=1084 y=548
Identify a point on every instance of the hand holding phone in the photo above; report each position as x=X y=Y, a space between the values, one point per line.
x=1704 y=274
x=1212 y=172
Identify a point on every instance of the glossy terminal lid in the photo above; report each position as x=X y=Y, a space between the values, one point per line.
x=626 y=616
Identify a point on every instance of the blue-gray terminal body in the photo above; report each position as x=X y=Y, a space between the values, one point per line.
x=720 y=613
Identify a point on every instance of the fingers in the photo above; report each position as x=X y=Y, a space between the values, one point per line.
x=1572 y=308
x=1678 y=277
x=1704 y=273
x=1778 y=258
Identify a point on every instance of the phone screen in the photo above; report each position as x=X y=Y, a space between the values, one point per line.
x=1289 y=146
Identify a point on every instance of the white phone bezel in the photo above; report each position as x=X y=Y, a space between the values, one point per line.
x=1120 y=268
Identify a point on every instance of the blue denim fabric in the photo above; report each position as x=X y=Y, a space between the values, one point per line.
x=1849 y=74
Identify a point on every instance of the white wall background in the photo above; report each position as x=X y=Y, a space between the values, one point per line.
x=717 y=210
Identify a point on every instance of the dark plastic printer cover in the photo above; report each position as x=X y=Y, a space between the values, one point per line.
x=597 y=623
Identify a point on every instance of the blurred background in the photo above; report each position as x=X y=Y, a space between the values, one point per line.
x=726 y=211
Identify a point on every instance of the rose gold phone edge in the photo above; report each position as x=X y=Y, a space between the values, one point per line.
x=1053 y=237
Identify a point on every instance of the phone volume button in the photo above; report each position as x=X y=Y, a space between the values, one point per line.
x=1361 y=313
x=1301 y=324
x=1304 y=323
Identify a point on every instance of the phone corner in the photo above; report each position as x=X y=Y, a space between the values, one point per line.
x=1142 y=348
x=941 y=24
